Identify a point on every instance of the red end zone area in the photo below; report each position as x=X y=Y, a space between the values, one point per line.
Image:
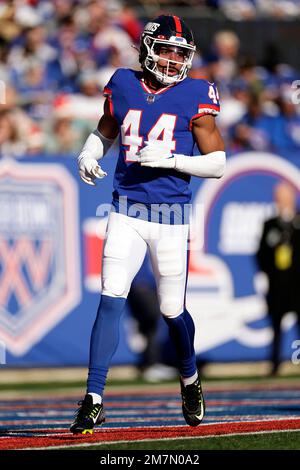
x=145 y=414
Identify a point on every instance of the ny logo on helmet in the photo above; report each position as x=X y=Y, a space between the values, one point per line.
x=151 y=27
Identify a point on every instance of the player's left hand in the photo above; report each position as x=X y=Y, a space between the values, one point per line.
x=156 y=155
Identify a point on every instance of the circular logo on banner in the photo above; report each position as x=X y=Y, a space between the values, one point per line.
x=39 y=252
x=224 y=294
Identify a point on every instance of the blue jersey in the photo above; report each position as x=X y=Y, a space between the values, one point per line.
x=165 y=115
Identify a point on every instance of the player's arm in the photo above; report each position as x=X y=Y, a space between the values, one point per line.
x=207 y=134
x=96 y=146
x=108 y=125
x=211 y=164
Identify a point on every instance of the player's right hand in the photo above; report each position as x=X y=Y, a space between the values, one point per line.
x=89 y=170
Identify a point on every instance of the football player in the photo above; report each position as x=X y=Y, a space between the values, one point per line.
x=158 y=114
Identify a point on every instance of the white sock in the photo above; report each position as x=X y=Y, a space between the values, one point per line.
x=189 y=380
x=96 y=398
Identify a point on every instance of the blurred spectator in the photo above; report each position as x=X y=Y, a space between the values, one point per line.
x=278 y=257
x=83 y=105
x=237 y=95
x=249 y=76
x=62 y=9
x=11 y=144
x=268 y=126
x=56 y=57
x=9 y=28
x=254 y=130
x=199 y=67
x=286 y=131
x=74 y=54
x=65 y=137
x=33 y=44
x=226 y=47
x=234 y=107
x=130 y=23
x=109 y=69
x=278 y=8
x=238 y=9
x=4 y=51
x=20 y=135
x=108 y=36
x=34 y=90
x=35 y=140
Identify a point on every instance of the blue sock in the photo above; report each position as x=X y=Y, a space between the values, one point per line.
x=182 y=333
x=104 y=341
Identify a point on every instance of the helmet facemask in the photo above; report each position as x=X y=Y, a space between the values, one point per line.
x=153 y=46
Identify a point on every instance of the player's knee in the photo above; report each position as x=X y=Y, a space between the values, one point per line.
x=171 y=308
x=115 y=283
x=169 y=259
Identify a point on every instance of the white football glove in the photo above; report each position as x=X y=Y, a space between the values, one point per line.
x=89 y=170
x=156 y=155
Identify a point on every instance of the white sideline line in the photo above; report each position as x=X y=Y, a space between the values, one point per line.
x=93 y=444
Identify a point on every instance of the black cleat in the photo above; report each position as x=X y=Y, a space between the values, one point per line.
x=193 y=404
x=87 y=416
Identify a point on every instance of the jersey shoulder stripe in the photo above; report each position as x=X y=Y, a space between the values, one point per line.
x=206 y=96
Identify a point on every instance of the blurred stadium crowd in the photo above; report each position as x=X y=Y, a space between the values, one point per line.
x=56 y=57
x=248 y=9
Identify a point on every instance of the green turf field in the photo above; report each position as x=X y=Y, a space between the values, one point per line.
x=264 y=441
x=81 y=384
x=268 y=440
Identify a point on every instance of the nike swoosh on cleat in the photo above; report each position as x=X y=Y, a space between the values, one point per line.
x=200 y=416
x=96 y=417
x=87 y=431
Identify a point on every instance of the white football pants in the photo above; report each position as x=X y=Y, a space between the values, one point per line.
x=127 y=240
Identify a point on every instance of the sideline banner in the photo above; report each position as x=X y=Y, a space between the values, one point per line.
x=52 y=228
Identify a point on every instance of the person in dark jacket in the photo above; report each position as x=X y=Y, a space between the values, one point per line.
x=278 y=257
